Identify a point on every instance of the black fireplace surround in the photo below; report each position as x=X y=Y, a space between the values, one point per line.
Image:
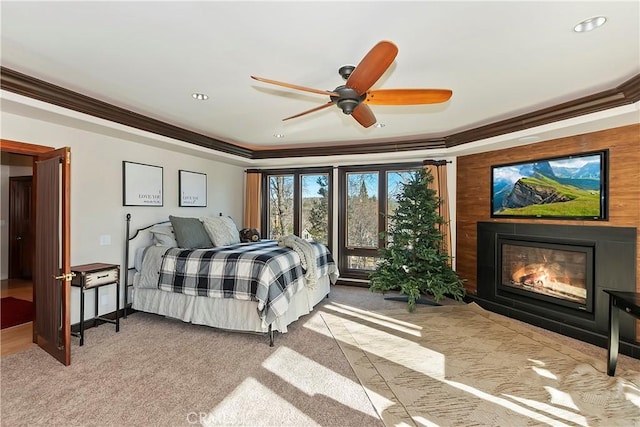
x=610 y=263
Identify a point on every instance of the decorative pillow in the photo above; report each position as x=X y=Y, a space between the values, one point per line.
x=249 y=235
x=190 y=233
x=163 y=235
x=222 y=230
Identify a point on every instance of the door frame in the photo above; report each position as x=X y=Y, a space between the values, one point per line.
x=35 y=151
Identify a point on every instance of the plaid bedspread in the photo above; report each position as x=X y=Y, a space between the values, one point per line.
x=262 y=271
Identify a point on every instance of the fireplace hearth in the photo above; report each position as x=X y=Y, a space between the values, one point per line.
x=553 y=276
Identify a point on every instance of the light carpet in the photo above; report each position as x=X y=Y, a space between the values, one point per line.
x=460 y=365
x=161 y=372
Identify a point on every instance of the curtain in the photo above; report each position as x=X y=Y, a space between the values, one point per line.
x=253 y=201
x=438 y=169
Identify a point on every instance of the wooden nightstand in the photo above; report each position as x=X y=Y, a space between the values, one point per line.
x=94 y=276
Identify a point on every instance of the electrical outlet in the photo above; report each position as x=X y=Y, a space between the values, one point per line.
x=105 y=240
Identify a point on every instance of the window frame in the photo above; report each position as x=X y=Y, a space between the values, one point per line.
x=343 y=251
x=297 y=174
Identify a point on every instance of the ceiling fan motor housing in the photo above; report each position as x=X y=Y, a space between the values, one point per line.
x=348 y=99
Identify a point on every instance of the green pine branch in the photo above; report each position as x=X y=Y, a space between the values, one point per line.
x=413 y=262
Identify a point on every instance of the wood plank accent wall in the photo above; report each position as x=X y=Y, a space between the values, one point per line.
x=474 y=194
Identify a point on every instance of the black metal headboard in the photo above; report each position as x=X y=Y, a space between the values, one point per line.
x=127 y=252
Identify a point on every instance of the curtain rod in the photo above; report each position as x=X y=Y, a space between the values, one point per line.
x=435 y=162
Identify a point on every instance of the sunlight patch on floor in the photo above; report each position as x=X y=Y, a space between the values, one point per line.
x=387 y=322
x=312 y=378
x=511 y=405
x=544 y=373
x=569 y=416
x=396 y=349
x=317 y=325
x=404 y=352
x=248 y=402
x=561 y=398
x=379 y=401
x=632 y=394
x=421 y=421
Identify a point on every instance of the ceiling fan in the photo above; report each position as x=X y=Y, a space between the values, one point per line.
x=354 y=96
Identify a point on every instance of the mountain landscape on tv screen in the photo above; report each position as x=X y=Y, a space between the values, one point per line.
x=550 y=188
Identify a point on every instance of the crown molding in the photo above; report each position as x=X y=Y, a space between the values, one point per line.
x=22 y=84
x=624 y=94
x=31 y=87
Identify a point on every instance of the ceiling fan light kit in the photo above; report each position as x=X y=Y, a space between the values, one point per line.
x=352 y=97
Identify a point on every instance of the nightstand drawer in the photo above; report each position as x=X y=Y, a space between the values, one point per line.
x=97 y=278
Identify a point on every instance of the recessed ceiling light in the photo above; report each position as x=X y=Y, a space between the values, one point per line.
x=379 y=125
x=278 y=135
x=590 y=24
x=200 y=96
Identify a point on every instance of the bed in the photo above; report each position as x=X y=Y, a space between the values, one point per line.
x=259 y=287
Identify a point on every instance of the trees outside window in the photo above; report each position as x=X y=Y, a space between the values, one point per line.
x=315 y=207
x=367 y=194
x=299 y=203
x=280 y=206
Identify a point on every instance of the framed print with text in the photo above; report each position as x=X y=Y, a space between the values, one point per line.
x=141 y=184
x=192 y=189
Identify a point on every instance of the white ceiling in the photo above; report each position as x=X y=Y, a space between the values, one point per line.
x=501 y=59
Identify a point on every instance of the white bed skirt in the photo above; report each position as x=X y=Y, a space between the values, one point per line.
x=226 y=313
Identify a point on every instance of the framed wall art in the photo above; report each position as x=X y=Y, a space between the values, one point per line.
x=141 y=184
x=192 y=189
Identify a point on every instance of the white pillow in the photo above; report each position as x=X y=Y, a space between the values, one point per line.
x=221 y=230
x=163 y=235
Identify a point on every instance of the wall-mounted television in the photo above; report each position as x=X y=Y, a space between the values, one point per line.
x=568 y=187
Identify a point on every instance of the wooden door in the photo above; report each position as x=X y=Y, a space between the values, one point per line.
x=20 y=232
x=52 y=272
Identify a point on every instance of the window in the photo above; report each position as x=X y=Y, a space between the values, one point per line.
x=299 y=202
x=280 y=206
x=314 y=212
x=368 y=194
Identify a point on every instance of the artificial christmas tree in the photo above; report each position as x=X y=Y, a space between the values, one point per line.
x=413 y=261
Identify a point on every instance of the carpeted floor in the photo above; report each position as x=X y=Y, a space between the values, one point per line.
x=451 y=365
x=161 y=372
x=14 y=311
x=460 y=365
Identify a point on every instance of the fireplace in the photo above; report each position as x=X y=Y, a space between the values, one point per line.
x=558 y=272
x=553 y=276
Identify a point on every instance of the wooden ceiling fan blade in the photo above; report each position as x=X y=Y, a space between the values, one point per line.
x=290 y=86
x=372 y=66
x=328 y=104
x=407 y=96
x=364 y=115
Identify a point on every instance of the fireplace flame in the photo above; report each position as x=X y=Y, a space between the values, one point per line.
x=547 y=279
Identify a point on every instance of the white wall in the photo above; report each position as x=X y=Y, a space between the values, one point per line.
x=96 y=191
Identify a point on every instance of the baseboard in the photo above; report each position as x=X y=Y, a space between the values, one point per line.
x=354 y=282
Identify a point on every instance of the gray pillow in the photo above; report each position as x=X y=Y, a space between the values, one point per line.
x=190 y=233
x=163 y=235
x=221 y=230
